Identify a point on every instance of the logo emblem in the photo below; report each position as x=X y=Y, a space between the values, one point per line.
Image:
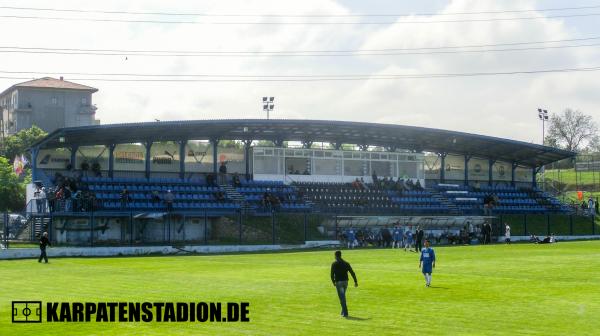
x=26 y=311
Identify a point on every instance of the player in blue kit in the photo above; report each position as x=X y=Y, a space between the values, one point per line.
x=408 y=239
x=351 y=238
x=427 y=261
x=397 y=236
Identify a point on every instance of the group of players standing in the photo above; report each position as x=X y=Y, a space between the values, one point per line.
x=396 y=238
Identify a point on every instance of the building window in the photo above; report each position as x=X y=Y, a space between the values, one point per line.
x=15 y=100
x=84 y=101
x=54 y=101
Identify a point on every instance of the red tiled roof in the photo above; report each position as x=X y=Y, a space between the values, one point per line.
x=53 y=83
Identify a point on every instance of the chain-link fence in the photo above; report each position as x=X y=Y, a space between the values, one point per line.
x=206 y=228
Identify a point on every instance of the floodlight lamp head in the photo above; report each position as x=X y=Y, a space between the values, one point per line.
x=264 y=99
x=271 y=99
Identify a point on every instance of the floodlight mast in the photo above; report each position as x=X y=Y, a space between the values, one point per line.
x=543 y=116
x=268 y=104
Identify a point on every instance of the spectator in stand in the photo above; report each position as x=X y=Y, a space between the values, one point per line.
x=596 y=206
x=266 y=200
x=67 y=192
x=92 y=203
x=418 y=186
x=51 y=197
x=410 y=185
x=155 y=198
x=220 y=196
x=363 y=184
x=236 y=180
x=375 y=180
x=124 y=199
x=223 y=172
x=40 y=199
x=169 y=198
x=591 y=207
x=211 y=179
x=77 y=201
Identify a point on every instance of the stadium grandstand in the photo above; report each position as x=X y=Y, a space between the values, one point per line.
x=202 y=181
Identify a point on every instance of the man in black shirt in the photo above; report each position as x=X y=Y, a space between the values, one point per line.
x=487 y=233
x=339 y=277
x=43 y=243
x=419 y=239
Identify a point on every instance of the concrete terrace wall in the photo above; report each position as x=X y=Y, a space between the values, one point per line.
x=26 y=253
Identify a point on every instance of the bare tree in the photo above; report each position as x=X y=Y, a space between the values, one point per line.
x=572 y=130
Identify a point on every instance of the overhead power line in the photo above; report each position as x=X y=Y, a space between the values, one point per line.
x=310 y=53
x=205 y=14
x=52 y=18
x=299 y=78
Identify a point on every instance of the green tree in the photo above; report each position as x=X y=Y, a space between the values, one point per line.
x=572 y=130
x=19 y=142
x=12 y=190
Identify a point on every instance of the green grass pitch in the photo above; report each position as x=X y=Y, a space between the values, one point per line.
x=521 y=289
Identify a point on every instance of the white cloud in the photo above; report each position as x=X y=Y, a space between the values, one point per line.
x=500 y=105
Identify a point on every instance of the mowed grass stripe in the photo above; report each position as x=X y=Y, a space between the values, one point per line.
x=478 y=290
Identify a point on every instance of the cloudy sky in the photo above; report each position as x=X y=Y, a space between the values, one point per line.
x=297 y=44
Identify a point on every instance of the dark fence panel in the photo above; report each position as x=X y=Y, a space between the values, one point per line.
x=125 y=229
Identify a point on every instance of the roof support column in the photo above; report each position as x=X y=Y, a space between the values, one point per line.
x=111 y=160
x=148 y=145
x=442 y=167
x=34 y=154
x=491 y=171
x=513 y=169
x=534 y=172
x=215 y=145
x=467 y=159
x=74 y=149
x=182 y=152
x=247 y=144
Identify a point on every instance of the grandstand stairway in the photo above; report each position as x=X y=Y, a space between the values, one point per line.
x=235 y=196
x=453 y=209
x=37 y=224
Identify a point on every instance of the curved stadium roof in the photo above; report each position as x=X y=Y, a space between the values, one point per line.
x=361 y=133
